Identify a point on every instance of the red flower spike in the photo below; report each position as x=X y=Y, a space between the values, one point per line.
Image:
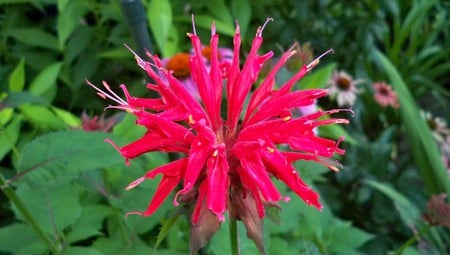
x=226 y=164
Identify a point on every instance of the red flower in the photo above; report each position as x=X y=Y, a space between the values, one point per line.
x=227 y=161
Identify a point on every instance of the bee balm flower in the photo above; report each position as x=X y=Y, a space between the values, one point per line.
x=227 y=160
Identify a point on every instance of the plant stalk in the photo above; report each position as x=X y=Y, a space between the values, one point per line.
x=234 y=237
x=15 y=199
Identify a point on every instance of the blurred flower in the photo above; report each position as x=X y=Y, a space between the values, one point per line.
x=438 y=211
x=437 y=125
x=384 y=95
x=180 y=65
x=445 y=153
x=345 y=88
x=303 y=56
x=97 y=123
x=227 y=161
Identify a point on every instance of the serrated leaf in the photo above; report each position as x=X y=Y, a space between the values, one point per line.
x=54 y=208
x=9 y=241
x=9 y=135
x=62 y=156
x=159 y=14
x=45 y=79
x=17 y=77
x=342 y=238
x=81 y=233
x=34 y=37
x=93 y=216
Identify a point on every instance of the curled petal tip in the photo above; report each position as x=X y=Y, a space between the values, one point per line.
x=134 y=213
x=135 y=183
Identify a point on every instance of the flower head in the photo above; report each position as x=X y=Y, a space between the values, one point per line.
x=345 y=88
x=385 y=95
x=437 y=125
x=97 y=123
x=227 y=161
x=438 y=211
x=180 y=65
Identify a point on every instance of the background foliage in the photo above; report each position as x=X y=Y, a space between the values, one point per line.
x=63 y=188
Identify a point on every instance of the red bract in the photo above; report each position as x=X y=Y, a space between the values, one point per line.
x=227 y=161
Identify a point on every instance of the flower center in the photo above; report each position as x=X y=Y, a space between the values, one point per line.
x=432 y=124
x=383 y=90
x=179 y=64
x=206 y=52
x=344 y=83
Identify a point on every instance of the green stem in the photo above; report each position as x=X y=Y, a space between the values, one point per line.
x=15 y=199
x=234 y=237
x=412 y=240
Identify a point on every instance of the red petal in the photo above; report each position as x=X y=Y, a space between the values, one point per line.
x=280 y=167
x=218 y=182
x=255 y=170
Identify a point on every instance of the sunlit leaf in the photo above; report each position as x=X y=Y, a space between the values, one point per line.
x=9 y=135
x=17 y=77
x=159 y=13
x=45 y=80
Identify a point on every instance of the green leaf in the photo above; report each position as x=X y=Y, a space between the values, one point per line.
x=34 y=37
x=54 y=207
x=9 y=241
x=19 y=98
x=17 y=77
x=78 y=42
x=336 y=131
x=219 y=11
x=75 y=250
x=342 y=238
x=93 y=216
x=9 y=135
x=61 y=156
x=117 y=53
x=82 y=233
x=68 y=19
x=159 y=14
x=424 y=148
x=6 y=115
x=45 y=80
x=221 y=27
x=318 y=78
x=165 y=228
x=42 y=117
x=242 y=12
x=68 y=118
x=409 y=213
